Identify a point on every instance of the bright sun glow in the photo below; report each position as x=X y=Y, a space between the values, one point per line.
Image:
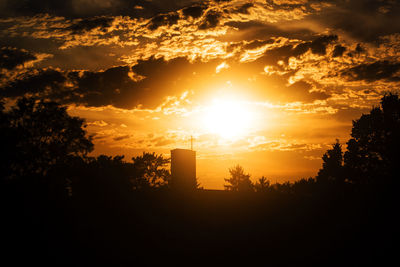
x=230 y=119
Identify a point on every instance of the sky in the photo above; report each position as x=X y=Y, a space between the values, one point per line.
x=266 y=84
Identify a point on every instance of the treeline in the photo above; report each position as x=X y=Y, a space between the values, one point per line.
x=371 y=159
x=45 y=148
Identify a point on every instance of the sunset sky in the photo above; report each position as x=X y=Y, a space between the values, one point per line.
x=267 y=84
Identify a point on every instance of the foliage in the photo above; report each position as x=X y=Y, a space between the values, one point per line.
x=262 y=185
x=373 y=151
x=239 y=181
x=99 y=176
x=332 y=166
x=150 y=171
x=37 y=135
x=107 y=175
x=304 y=187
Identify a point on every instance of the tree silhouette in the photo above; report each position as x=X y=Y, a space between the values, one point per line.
x=373 y=151
x=101 y=176
x=239 y=181
x=7 y=139
x=332 y=166
x=262 y=185
x=150 y=171
x=38 y=135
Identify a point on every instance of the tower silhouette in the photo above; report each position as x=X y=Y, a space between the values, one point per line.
x=183 y=169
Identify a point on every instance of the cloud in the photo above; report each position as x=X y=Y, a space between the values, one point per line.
x=36 y=82
x=285 y=51
x=88 y=24
x=99 y=123
x=122 y=137
x=194 y=11
x=244 y=9
x=338 y=50
x=318 y=46
x=211 y=20
x=370 y=72
x=116 y=86
x=360 y=19
x=11 y=57
x=284 y=145
x=161 y=141
x=163 y=20
x=88 y=8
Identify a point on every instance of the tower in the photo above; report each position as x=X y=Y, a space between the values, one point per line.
x=183 y=169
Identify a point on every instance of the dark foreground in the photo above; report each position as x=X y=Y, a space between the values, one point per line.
x=201 y=228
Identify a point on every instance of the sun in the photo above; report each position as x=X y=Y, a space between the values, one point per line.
x=230 y=119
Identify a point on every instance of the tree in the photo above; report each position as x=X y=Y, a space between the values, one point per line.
x=7 y=137
x=332 y=166
x=239 y=181
x=150 y=171
x=37 y=135
x=262 y=185
x=101 y=176
x=304 y=187
x=373 y=151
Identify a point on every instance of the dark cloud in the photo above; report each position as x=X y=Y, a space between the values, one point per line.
x=370 y=72
x=338 y=51
x=13 y=57
x=257 y=30
x=88 y=24
x=122 y=137
x=317 y=46
x=359 y=49
x=163 y=20
x=93 y=58
x=211 y=20
x=365 y=20
x=115 y=86
x=102 y=88
x=285 y=5
x=110 y=87
x=274 y=55
x=40 y=81
x=32 y=7
x=194 y=11
x=90 y=8
x=244 y=9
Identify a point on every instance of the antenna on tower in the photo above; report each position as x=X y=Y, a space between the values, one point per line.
x=191 y=142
